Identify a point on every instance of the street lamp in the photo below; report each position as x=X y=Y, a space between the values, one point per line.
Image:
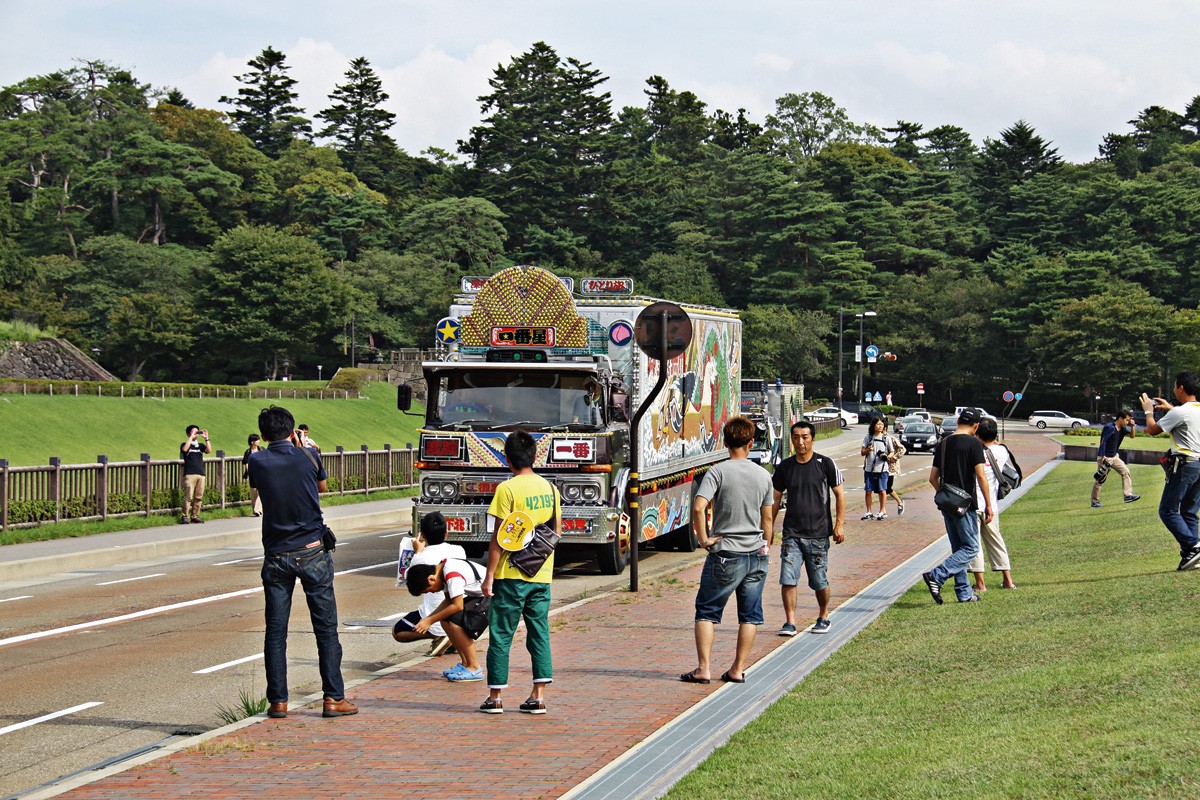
x=841 y=328
x=862 y=355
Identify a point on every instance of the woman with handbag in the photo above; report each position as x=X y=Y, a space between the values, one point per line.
x=517 y=594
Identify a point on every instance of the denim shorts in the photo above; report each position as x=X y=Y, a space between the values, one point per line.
x=728 y=573
x=813 y=553
x=876 y=481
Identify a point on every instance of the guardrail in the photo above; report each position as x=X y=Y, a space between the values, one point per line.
x=40 y=494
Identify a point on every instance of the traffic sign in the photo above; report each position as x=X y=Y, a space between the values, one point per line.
x=1019 y=395
x=920 y=388
x=1008 y=397
x=872 y=352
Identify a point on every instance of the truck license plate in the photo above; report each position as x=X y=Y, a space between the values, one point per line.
x=458 y=524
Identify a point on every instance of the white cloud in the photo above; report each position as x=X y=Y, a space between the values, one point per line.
x=772 y=62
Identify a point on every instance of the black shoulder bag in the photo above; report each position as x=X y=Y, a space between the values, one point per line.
x=949 y=498
x=545 y=538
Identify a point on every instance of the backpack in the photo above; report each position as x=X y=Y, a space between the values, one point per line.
x=1007 y=478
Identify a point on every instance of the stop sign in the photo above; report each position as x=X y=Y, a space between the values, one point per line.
x=920 y=388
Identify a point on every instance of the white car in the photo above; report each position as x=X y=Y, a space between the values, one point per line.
x=1056 y=419
x=831 y=412
x=901 y=422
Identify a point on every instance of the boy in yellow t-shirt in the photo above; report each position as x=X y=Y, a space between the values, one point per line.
x=513 y=594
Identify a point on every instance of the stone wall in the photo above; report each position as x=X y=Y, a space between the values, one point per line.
x=49 y=359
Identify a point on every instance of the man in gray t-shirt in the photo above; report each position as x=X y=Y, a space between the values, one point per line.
x=740 y=495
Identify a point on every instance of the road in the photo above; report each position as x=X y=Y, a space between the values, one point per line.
x=102 y=665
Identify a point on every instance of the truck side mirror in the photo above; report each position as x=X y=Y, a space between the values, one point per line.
x=404 y=397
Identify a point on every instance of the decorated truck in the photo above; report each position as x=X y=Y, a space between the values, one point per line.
x=522 y=350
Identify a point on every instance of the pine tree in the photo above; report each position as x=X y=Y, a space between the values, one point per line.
x=355 y=116
x=264 y=109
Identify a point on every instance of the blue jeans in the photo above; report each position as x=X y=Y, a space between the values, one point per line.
x=725 y=573
x=813 y=554
x=314 y=567
x=1179 y=508
x=963 y=532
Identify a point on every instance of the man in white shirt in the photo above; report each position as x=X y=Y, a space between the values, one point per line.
x=432 y=548
x=463 y=610
x=1179 y=508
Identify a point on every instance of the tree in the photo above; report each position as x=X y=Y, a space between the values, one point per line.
x=355 y=118
x=1017 y=156
x=264 y=109
x=1080 y=345
x=467 y=231
x=538 y=155
x=805 y=123
x=267 y=296
x=150 y=325
x=778 y=341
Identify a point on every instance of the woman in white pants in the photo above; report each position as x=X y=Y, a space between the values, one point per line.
x=992 y=550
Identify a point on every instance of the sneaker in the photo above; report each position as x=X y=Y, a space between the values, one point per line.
x=1191 y=559
x=868 y=515
x=532 y=706
x=440 y=646
x=184 y=520
x=1132 y=498
x=881 y=515
x=788 y=629
x=491 y=706
x=820 y=626
x=972 y=599
x=197 y=521
x=935 y=588
x=900 y=509
x=465 y=676
x=1096 y=504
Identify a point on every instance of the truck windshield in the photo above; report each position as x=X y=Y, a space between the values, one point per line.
x=486 y=398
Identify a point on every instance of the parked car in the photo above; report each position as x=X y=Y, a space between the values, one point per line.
x=920 y=437
x=982 y=413
x=911 y=418
x=1056 y=419
x=864 y=410
x=918 y=412
x=848 y=418
x=949 y=424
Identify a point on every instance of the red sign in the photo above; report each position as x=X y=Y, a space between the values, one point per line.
x=458 y=525
x=448 y=448
x=572 y=450
x=473 y=283
x=606 y=286
x=513 y=336
x=920 y=387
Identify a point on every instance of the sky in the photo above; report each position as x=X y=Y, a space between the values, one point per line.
x=1074 y=70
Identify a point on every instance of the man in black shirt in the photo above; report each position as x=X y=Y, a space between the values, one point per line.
x=809 y=479
x=289 y=479
x=193 y=452
x=958 y=461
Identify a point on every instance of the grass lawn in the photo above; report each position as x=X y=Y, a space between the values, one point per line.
x=1077 y=684
x=35 y=427
x=1140 y=442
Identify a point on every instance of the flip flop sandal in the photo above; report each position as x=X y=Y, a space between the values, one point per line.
x=690 y=677
x=730 y=679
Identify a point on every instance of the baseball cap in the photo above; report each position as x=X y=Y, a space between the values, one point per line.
x=969 y=416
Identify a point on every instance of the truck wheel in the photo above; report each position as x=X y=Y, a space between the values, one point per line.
x=684 y=539
x=610 y=558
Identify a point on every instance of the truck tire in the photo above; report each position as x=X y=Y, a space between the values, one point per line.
x=610 y=559
x=684 y=539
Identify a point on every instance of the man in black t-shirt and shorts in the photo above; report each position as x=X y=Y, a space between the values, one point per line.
x=959 y=461
x=809 y=479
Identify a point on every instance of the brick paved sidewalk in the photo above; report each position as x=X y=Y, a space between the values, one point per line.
x=617 y=662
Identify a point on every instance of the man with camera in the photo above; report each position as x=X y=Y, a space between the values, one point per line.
x=1108 y=457
x=289 y=479
x=193 y=453
x=1179 y=508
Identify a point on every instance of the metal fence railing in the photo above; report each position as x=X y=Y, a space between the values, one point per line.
x=35 y=495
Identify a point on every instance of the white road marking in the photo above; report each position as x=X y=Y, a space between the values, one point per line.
x=46 y=718
x=390 y=535
x=127 y=580
x=149 y=612
x=237 y=561
x=10 y=599
x=234 y=663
